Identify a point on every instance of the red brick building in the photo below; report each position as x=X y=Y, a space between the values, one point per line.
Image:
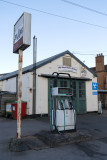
x=101 y=71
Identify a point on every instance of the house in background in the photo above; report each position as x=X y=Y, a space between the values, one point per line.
x=83 y=82
x=1 y=84
x=101 y=71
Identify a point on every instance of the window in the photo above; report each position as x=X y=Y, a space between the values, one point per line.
x=81 y=89
x=63 y=83
x=55 y=83
x=66 y=61
x=74 y=88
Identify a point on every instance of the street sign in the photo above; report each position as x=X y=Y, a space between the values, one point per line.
x=94 y=86
x=22 y=33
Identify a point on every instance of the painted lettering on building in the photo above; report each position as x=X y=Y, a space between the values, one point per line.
x=67 y=69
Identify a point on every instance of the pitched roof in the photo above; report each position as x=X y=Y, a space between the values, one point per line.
x=39 y=64
x=93 y=68
x=3 y=74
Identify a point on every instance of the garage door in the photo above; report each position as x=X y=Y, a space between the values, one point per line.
x=79 y=96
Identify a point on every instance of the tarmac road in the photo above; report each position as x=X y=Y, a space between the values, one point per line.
x=95 y=149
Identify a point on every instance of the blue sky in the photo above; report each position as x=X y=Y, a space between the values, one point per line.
x=54 y=34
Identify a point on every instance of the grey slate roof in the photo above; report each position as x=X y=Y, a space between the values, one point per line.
x=3 y=74
x=42 y=63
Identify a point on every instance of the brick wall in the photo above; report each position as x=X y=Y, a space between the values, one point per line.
x=101 y=78
x=100 y=63
x=101 y=73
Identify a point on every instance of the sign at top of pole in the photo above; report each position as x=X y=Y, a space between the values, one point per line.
x=22 y=33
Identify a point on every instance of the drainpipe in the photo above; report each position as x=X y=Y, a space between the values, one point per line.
x=34 y=73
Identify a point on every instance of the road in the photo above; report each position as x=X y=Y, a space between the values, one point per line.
x=96 y=149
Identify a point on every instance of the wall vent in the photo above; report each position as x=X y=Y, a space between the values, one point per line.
x=66 y=61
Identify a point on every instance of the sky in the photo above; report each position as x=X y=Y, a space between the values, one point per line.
x=55 y=34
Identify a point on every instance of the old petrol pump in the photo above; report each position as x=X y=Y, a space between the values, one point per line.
x=62 y=112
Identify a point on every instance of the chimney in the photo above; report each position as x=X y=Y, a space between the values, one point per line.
x=99 y=62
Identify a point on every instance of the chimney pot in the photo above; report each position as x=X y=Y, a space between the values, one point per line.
x=100 y=62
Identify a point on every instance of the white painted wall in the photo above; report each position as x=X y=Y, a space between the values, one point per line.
x=26 y=94
x=10 y=85
x=30 y=107
x=1 y=86
x=42 y=96
x=91 y=100
x=53 y=67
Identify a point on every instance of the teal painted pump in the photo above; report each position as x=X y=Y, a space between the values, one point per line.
x=62 y=112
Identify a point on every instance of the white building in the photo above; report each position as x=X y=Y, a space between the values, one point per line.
x=84 y=82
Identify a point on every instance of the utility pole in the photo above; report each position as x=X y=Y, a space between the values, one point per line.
x=34 y=73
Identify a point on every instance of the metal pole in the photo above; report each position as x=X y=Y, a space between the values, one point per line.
x=34 y=73
x=17 y=86
x=19 y=94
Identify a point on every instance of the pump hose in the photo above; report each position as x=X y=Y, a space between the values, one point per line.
x=74 y=117
x=64 y=112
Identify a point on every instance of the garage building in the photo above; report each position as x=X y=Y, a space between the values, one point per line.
x=84 y=83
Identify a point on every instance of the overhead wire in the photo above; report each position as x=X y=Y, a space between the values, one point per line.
x=84 y=7
x=55 y=15
x=90 y=51
x=86 y=54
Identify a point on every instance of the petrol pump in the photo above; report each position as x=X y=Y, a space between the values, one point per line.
x=62 y=112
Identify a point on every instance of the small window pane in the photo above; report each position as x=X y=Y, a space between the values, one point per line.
x=74 y=85
x=81 y=85
x=81 y=93
x=63 y=83
x=55 y=83
x=74 y=93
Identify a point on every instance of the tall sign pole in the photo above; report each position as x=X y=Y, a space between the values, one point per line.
x=19 y=94
x=21 y=41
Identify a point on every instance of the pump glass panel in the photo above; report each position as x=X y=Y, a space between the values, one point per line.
x=65 y=91
x=63 y=103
